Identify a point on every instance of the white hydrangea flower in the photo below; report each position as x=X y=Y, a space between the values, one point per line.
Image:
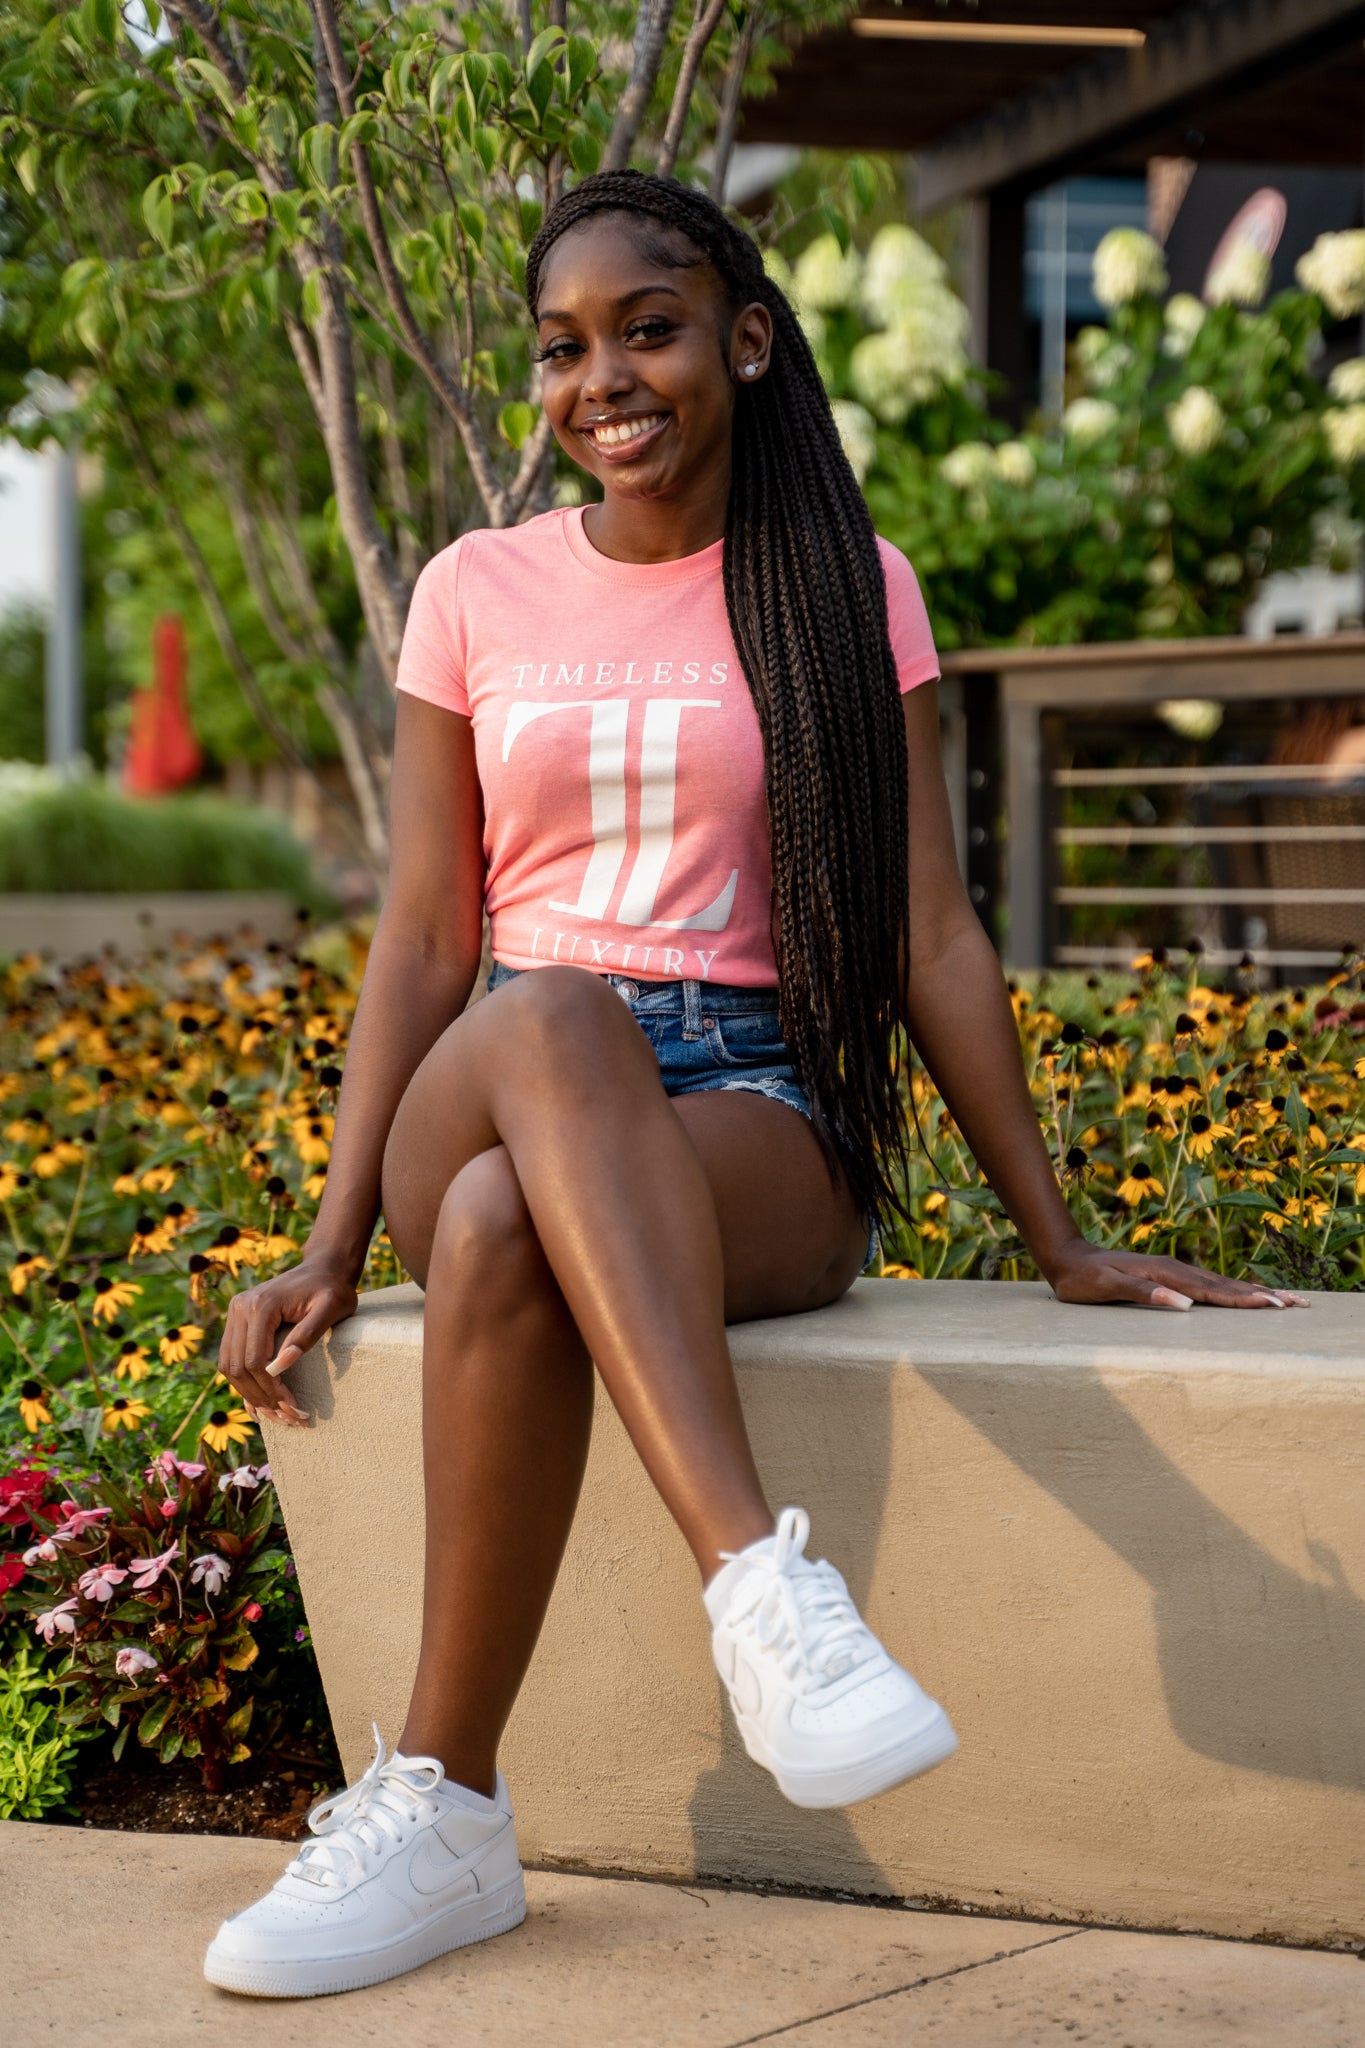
x=1128 y=265
x=1160 y=569
x=1185 y=315
x=1347 y=381
x=1194 y=718
x=1196 y=421
x=1109 y=367
x=969 y=465
x=1241 y=279
x=1334 y=268
x=905 y=366
x=900 y=273
x=857 y=435
x=1015 y=464
x=1345 y=431
x=1087 y=420
x=1224 y=570
x=824 y=277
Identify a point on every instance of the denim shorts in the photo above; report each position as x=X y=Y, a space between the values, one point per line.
x=709 y=1034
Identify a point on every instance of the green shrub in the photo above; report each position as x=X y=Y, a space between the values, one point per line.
x=37 y=1753
x=86 y=836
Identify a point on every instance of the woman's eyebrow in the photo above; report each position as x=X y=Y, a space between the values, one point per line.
x=641 y=291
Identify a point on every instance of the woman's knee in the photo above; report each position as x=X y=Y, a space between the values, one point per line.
x=549 y=1012
x=485 y=1239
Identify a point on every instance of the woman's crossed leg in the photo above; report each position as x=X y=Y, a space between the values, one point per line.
x=559 y=1208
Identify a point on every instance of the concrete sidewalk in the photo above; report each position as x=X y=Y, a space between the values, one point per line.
x=103 y=1937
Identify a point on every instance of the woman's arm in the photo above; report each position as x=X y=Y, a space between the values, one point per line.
x=958 y=1014
x=421 y=968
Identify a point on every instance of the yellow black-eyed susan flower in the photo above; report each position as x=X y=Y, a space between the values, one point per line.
x=1204 y=1133
x=132 y=1362
x=150 y=1238
x=27 y=1267
x=33 y=1405
x=122 y=1413
x=1140 y=1185
x=226 y=1426
x=180 y=1342
x=9 y=1180
x=112 y=1295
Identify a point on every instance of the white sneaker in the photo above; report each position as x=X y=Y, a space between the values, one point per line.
x=819 y=1702
x=405 y=1866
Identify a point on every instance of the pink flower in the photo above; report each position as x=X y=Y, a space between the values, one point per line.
x=242 y=1476
x=147 y=1570
x=130 y=1661
x=211 y=1572
x=42 y=1553
x=252 y=1611
x=58 y=1621
x=263 y=1473
x=75 y=1521
x=100 y=1581
x=165 y=1466
x=11 y=1572
x=168 y=1508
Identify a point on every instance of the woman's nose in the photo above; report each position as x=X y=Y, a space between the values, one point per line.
x=607 y=373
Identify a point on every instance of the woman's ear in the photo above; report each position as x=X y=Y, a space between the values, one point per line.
x=751 y=344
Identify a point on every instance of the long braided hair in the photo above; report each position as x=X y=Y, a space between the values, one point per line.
x=806 y=599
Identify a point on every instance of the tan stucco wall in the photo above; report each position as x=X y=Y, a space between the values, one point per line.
x=1126 y=1550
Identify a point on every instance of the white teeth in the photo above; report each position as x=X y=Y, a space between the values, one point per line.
x=629 y=430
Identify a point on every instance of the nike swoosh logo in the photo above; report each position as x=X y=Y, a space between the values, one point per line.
x=433 y=1869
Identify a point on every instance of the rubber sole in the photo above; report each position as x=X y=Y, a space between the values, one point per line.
x=932 y=1744
x=498 y=1913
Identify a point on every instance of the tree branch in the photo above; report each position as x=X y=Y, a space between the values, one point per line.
x=704 y=26
x=415 y=342
x=732 y=93
x=651 y=35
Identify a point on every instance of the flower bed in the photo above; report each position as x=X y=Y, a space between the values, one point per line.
x=165 y=1144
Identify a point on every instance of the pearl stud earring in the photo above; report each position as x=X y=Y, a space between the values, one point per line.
x=751 y=369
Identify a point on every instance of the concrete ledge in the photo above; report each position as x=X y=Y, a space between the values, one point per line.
x=71 y=926
x=1127 y=1551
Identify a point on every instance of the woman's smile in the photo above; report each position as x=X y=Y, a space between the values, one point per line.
x=623 y=437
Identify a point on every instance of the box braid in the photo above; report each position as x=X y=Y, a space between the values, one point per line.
x=806 y=599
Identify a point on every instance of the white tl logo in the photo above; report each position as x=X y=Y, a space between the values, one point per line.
x=607 y=785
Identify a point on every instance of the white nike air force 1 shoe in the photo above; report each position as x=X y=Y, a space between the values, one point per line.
x=401 y=1867
x=819 y=1702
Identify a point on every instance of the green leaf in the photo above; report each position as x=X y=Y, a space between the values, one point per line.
x=169 y=1746
x=121 y=1740
x=474 y=221
x=214 y=79
x=158 y=210
x=312 y=297
x=99 y=20
x=582 y=64
x=27 y=165
x=862 y=178
x=515 y=422
x=585 y=152
x=320 y=146
x=154 y=1720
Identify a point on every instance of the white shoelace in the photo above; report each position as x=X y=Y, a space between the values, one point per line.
x=356 y=1824
x=804 y=1616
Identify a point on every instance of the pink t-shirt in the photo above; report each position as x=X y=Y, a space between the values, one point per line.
x=618 y=749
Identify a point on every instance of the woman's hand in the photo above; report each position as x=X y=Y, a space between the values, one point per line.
x=313 y=1296
x=1086 y=1272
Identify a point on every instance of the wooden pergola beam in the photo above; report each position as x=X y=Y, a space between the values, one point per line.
x=1207 y=48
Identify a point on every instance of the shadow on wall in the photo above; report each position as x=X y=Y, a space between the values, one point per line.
x=739 y=1819
x=1261 y=1668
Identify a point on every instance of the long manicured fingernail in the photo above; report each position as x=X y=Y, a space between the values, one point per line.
x=1168 y=1298
x=1269 y=1301
x=280 y=1364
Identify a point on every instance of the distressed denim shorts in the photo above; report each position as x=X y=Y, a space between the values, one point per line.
x=708 y=1034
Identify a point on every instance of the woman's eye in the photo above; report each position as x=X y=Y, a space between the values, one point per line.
x=555 y=351
x=649 y=330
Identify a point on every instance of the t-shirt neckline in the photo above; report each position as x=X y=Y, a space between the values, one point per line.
x=639 y=575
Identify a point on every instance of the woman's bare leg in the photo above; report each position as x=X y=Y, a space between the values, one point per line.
x=645 y=1226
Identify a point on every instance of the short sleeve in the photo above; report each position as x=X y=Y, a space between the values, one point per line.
x=430 y=663
x=912 y=639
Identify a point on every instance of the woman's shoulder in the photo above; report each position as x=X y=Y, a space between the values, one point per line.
x=485 y=549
